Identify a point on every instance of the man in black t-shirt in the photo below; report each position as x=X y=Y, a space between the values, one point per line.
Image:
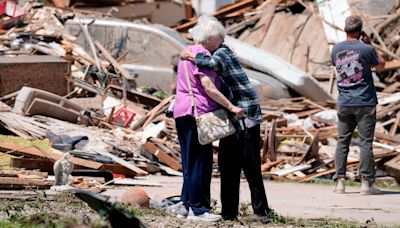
x=353 y=59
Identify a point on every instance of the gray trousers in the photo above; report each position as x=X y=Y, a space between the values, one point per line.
x=364 y=118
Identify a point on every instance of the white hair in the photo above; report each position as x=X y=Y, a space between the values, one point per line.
x=207 y=26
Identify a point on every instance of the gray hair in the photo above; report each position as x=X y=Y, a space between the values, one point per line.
x=353 y=24
x=207 y=26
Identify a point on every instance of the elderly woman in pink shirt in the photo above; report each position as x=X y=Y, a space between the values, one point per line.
x=197 y=159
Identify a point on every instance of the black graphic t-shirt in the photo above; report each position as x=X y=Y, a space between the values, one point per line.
x=353 y=61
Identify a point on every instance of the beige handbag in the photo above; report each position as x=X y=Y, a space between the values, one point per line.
x=211 y=126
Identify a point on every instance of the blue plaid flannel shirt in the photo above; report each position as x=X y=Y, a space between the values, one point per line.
x=242 y=93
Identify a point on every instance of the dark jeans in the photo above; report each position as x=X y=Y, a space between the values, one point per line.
x=197 y=162
x=237 y=152
x=364 y=118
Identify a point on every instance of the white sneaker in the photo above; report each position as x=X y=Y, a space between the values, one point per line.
x=206 y=217
x=182 y=212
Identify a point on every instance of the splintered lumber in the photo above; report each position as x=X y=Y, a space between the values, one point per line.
x=392 y=65
x=4 y=107
x=394 y=127
x=122 y=162
x=17 y=173
x=114 y=62
x=46 y=165
x=265 y=143
x=52 y=154
x=393 y=167
x=220 y=14
x=389 y=20
x=385 y=146
x=312 y=151
x=289 y=170
x=256 y=37
x=284 y=172
x=156 y=110
x=20 y=183
x=268 y=165
x=273 y=142
x=326 y=172
x=162 y=156
x=392 y=88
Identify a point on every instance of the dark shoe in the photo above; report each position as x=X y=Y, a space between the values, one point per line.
x=259 y=218
x=229 y=217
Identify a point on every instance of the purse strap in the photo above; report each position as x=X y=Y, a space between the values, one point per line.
x=196 y=114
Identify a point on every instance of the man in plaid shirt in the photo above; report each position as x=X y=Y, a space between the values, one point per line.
x=241 y=92
x=241 y=150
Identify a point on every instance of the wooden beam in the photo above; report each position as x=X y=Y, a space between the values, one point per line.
x=387 y=137
x=393 y=167
x=46 y=165
x=114 y=62
x=389 y=20
x=392 y=65
x=394 y=127
x=53 y=154
x=162 y=156
x=21 y=183
x=326 y=172
x=392 y=88
x=220 y=13
x=122 y=162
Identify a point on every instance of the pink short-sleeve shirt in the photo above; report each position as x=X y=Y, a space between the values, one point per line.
x=203 y=102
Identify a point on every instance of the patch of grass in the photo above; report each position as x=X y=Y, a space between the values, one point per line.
x=244 y=209
x=299 y=222
x=41 y=144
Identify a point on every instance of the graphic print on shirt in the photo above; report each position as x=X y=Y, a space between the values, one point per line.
x=348 y=67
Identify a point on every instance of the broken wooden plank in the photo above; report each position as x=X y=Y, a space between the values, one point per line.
x=389 y=20
x=114 y=63
x=21 y=183
x=268 y=165
x=389 y=99
x=392 y=88
x=392 y=65
x=53 y=154
x=156 y=110
x=350 y=164
x=394 y=127
x=46 y=165
x=385 y=146
x=312 y=152
x=260 y=30
x=393 y=167
x=17 y=173
x=162 y=156
x=4 y=107
x=284 y=172
x=122 y=162
x=379 y=135
x=220 y=14
x=273 y=142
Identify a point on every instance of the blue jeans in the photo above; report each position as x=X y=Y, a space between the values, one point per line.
x=197 y=162
x=364 y=118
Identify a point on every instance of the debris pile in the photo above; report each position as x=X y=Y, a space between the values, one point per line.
x=75 y=93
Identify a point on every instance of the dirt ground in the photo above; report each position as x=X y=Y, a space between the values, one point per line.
x=306 y=201
x=299 y=205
